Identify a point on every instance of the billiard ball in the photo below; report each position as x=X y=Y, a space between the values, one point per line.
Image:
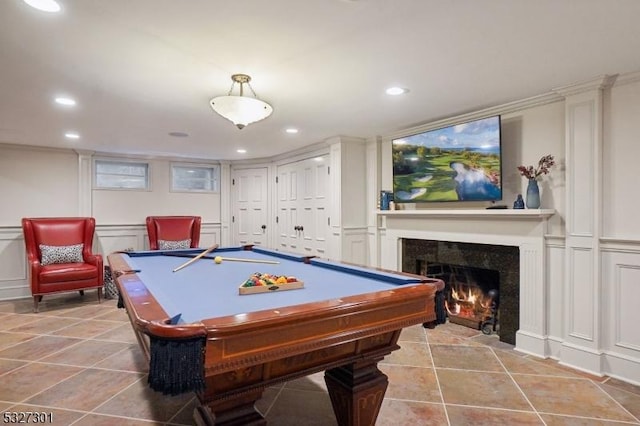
x=217 y=259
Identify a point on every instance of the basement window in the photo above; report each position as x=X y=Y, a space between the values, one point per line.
x=114 y=174
x=195 y=178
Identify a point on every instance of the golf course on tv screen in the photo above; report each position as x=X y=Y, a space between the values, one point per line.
x=456 y=163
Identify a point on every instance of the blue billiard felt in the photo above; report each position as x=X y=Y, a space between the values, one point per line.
x=366 y=272
x=206 y=290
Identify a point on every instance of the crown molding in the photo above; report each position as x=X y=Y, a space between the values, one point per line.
x=627 y=78
x=37 y=148
x=599 y=83
x=502 y=109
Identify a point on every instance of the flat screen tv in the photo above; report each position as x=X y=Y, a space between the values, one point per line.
x=461 y=162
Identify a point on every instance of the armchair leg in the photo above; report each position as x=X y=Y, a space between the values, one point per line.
x=81 y=292
x=36 y=299
x=100 y=295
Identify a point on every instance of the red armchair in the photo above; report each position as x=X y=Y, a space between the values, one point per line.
x=173 y=232
x=59 y=256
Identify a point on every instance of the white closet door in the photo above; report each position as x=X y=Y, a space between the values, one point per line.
x=314 y=209
x=251 y=206
x=287 y=207
x=303 y=206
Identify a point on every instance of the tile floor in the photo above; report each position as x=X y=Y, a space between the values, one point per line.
x=79 y=361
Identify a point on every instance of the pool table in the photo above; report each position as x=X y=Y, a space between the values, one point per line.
x=344 y=320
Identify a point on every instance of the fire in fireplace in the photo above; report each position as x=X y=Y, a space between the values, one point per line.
x=471 y=295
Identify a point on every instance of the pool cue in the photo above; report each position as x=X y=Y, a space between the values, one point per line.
x=236 y=259
x=189 y=262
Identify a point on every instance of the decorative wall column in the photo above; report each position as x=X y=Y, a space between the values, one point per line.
x=85 y=179
x=225 y=204
x=347 y=200
x=373 y=190
x=583 y=144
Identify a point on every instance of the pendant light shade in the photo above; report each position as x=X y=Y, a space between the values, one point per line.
x=239 y=109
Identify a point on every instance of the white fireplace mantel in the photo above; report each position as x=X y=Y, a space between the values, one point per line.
x=490 y=214
x=525 y=229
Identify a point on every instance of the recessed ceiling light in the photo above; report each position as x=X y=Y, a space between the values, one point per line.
x=179 y=134
x=71 y=135
x=241 y=151
x=291 y=130
x=44 y=5
x=395 y=91
x=65 y=101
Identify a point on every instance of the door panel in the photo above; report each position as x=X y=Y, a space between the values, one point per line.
x=251 y=206
x=302 y=210
x=287 y=208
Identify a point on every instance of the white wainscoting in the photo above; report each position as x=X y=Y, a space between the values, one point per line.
x=620 y=309
x=14 y=282
x=111 y=238
x=354 y=245
x=14 y=274
x=555 y=251
x=553 y=310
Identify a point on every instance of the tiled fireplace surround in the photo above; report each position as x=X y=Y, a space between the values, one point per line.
x=504 y=260
x=403 y=233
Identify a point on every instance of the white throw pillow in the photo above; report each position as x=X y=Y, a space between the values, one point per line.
x=174 y=245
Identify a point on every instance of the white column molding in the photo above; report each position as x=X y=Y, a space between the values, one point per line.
x=348 y=198
x=583 y=287
x=85 y=179
x=225 y=204
x=373 y=187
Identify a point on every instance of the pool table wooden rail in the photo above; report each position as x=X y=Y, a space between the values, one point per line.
x=143 y=309
x=246 y=353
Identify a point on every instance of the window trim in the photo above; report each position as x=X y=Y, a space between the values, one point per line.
x=148 y=187
x=216 y=177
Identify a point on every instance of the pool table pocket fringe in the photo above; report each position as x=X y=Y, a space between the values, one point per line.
x=177 y=366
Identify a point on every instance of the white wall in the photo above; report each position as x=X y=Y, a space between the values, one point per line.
x=132 y=207
x=40 y=182
x=620 y=242
x=34 y=182
x=528 y=135
x=37 y=182
x=621 y=154
x=592 y=253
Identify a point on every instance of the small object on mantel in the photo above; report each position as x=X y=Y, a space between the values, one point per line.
x=519 y=202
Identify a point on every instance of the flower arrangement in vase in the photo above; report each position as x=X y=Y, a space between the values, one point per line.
x=532 y=174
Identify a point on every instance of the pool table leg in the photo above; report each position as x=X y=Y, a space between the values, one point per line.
x=356 y=392
x=238 y=411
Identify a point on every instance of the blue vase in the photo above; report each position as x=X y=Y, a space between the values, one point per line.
x=533 y=194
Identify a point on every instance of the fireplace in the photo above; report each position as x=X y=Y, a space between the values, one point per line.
x=482 y=281
x=512 y=237
x=471 y=295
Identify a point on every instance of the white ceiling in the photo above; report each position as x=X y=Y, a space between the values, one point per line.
x=141 y=69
